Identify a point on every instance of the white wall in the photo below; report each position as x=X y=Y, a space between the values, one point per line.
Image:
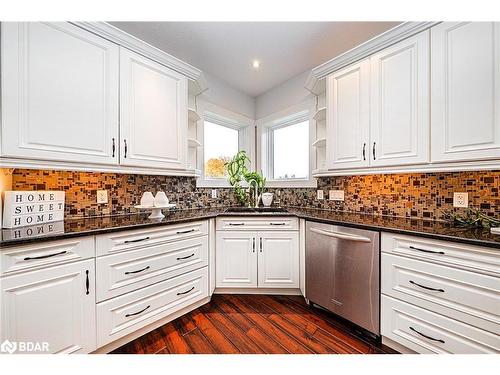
x=225 y=96
x=288 y=94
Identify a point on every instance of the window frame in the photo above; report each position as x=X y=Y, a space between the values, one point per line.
x=265 y=155
x=220 y=116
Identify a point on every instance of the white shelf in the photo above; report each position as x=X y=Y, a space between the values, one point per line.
x=321 y=142
x=193 y=115
x=320 y=114
x=193 y=142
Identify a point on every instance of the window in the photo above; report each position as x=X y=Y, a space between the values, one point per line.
x=291 y=151
x=220 y=145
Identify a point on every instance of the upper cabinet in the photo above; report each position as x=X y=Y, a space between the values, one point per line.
x=154 y=115
x=59 y=93
x=399 y=105
x=465 y=94
x=347 y=125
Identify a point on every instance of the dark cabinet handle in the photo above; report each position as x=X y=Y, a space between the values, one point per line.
x=125 y=142
x=131 y=272
x=277 y=223
x=138 y=312
x=364 y=151
x=426 y=287
x=374 y=158
x=260 y=243
x=189 y=256
x=427 y=337
x=426 y=251
x=236 y=224
x=45 y=256
x=186 y=292
x=185 y=231
x=87 y=282
x=113 y=147
x=253 y=245
x=138 y=240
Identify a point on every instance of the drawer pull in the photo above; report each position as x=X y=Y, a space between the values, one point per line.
x=277 y=223
x=186 y=292
x=87 y=282
x=236 y=224
x=138 y=312
x=143 y=269
x=427 y=337
x=185 y=231
x=426 y=251
x=426 y=287
x=45 y=256
x=137 y=240
x=189 y=256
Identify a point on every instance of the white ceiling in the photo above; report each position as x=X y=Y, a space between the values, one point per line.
x=226 y=49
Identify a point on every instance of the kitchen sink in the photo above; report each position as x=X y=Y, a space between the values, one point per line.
x=253 y=210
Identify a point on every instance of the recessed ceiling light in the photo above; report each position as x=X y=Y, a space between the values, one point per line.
x=256 y=64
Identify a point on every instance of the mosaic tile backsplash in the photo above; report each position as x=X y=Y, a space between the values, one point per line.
x=416 y=195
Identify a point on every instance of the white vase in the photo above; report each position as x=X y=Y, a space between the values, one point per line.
x=147 y=199
x=267 y=199
x=161 y=199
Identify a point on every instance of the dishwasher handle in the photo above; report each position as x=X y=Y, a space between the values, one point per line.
x=342 y=236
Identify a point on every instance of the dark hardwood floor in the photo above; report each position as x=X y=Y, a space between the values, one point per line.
x=254 y=324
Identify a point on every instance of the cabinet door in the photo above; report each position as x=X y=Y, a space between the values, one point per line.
x=347 y=121
x=153 y=105
x=465 y=91
x=236 y=259
x=399 y=106
x=59 y=93
x=52 y=305
x=278 y=259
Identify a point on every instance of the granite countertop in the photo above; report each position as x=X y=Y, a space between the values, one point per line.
x=98 y=225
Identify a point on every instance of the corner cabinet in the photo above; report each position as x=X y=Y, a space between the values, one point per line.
x=153 y=113
x=59 y=93
x=465 y=83
x=55 y=305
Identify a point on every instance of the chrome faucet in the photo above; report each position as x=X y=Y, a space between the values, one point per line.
x=256 y=193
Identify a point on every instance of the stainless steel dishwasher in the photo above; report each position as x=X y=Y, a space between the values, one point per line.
x=342 y=272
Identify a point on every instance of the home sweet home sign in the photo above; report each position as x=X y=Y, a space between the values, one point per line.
x=23 y=208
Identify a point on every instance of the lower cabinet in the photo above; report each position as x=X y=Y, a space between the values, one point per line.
x=53 y=307
x=268 y=259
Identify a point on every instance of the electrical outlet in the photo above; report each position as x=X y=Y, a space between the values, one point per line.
x=102 y=196
x=336 y=195
x=319 y=194
x=214 y=193
x=460 y=200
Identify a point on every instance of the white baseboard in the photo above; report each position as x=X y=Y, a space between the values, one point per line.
x=396 y=346
x=271 y=291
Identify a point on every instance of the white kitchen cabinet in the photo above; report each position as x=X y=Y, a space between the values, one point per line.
x=153 y=113
x=278 y=259
x=399 y=103
x=54 y=305
x=465 y=91
x=236 y=259
x=59 y=93
x=348 y=100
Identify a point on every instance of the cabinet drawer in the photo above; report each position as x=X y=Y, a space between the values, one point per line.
x=443 y=289
x=258 y=223
x=475 y=258
x=123 y=315
x=133 y=239
x=127 y=271
x=427 y=332
x=38 y=255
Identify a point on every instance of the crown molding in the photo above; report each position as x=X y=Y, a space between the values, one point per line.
x=120 y=37
x=315 y=81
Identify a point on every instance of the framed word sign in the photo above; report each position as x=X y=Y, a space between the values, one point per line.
x=23 y=208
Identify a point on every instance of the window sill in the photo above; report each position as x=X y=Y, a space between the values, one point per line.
x=312 y=183
x=203 y=183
